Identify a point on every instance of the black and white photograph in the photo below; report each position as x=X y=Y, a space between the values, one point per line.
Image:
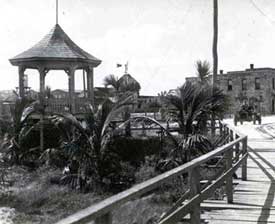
x=137 y=111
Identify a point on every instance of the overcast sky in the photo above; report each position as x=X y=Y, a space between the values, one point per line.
x=161 y=39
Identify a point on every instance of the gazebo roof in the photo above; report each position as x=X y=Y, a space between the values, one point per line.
x=55 y=46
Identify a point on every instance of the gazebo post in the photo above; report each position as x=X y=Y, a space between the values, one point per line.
x=42 y=75
x=21 y=70
x=84 y=84
x=90 y=84
x=71 y=77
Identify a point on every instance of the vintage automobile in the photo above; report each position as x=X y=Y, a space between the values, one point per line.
x=247 y=113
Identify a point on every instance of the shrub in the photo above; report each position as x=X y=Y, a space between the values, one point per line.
x=134 y=150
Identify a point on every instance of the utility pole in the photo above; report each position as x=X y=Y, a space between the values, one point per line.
x=215 y=56
x=215 y=41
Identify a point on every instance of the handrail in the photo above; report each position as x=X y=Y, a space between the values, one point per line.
x=101 y=212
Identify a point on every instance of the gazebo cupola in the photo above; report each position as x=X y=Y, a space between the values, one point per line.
x=56 y=51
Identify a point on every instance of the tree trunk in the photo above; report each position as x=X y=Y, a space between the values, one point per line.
x=215 y=56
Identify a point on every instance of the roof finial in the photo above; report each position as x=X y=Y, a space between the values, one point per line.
x=56 y=11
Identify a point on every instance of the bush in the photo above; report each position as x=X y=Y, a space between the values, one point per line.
x=134 y=150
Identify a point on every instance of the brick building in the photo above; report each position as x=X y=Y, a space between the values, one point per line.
x=254 y=86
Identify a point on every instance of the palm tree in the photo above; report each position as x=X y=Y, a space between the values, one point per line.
x=191 y=106
x=112 y=80
x=19 y=129
x=88 y=147
x=203 y=70
x=123 y=85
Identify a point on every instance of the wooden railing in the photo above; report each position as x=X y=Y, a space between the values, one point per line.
x=63 y=105
x=234 y=153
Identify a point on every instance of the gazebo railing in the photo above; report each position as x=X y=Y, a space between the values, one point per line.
x=63 y=105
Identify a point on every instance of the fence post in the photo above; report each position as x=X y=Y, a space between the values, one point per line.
x=105 y=219
x=231 y=135
x=229 y=180
x=244 y=165
x=221 y=128
x=237 y=148
x=194 y=184
x=227 y=134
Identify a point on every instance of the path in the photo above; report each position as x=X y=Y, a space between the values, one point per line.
x=254 y=198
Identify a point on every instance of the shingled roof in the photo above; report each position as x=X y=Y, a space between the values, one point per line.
x=56 y=45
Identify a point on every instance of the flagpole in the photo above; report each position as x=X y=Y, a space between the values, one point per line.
x=56 y=11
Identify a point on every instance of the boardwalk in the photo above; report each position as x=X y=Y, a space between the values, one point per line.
x=254 y=198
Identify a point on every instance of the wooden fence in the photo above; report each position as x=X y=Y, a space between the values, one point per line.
x=233 y=154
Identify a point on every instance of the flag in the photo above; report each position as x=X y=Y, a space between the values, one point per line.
x=118 y=65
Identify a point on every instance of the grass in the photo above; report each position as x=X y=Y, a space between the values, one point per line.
x=37 y=200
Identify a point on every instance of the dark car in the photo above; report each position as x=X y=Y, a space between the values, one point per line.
x=247 y=113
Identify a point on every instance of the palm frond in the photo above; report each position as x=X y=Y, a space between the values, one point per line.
x=111 y=80
x=116 y=109
x=203 y=69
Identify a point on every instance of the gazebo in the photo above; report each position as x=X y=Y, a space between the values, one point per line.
x=56 y=51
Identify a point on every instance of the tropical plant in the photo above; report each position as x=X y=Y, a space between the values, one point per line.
x=203 y=70
x=122 y=85
x=20 y=111
x=86 y=148
x=112 y=80
x=191 y=106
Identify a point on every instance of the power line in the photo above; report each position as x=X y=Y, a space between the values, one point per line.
x=262 y=12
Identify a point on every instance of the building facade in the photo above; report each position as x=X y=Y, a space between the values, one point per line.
x=252 y=86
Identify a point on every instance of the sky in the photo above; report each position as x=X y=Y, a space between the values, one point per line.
x=161 y=39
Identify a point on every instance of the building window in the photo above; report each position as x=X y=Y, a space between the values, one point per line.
x=257 y=83
x=229 y=85
x=244 y=84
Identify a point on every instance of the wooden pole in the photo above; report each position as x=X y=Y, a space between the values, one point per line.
x=229 y=181
x=105 y=219
x=72 y=90
x=244 y=165
x=84 y=84
x=215 y=42
x=194 y=184
x=56 y=11
x=42 y=74
x=21 y=71
x=215 y=57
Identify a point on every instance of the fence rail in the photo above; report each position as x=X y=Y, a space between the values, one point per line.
x=64 y=105
x=234 y=152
